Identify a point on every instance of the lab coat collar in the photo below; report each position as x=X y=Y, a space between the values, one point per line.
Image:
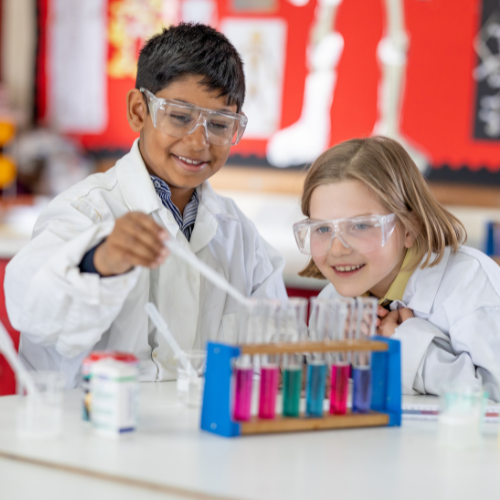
x=213 y=202
x=136 y=185
x=210 y=209
x=423 y=285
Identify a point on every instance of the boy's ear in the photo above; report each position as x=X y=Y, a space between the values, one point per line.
x=136 y=110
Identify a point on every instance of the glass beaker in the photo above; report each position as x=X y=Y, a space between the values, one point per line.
x=39 y=414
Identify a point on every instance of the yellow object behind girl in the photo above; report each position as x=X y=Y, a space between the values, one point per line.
x=374 y=227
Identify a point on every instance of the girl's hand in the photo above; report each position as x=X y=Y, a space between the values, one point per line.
x=392 y=320
x=382 y=312
x=136 y=240
x=405 y=314
x=388 y=324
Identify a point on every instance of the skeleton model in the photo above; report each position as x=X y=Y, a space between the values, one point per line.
x=303 y=141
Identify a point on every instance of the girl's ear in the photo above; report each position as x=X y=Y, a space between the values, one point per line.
x=136 y=110
x=411 y=233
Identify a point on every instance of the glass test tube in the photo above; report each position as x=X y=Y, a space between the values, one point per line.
x=315 y=389
x=366 y=316
x=243 y=389
x=341 y=365
x=269 y=378
x=293 y=323
x=340 y=388
x=243 y=367
x=292 y=385
x=269 y=371
x=320 y=320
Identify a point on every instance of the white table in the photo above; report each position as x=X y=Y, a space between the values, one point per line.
x=169 y=457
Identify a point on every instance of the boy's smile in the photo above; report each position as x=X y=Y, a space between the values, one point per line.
x=352 y=273
x=182 y=162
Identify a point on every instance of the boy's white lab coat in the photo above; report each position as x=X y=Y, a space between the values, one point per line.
x=64 y=314
x=455 y=335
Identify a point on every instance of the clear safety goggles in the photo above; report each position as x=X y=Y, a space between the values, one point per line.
x=179 y=119
x=362 y=234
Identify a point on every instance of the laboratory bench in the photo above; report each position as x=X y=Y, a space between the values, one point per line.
x=170 y=457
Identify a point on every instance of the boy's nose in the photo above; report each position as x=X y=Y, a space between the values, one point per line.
x=199 y=136
x=337 y=247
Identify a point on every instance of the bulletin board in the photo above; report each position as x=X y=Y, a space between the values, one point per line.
x=449 y=106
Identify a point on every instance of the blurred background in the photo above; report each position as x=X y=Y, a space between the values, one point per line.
x=425 y=72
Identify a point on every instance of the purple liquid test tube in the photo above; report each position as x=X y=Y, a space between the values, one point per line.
x=340 y=388
x=362 y=389
x=243 y=393
x=361 y=371
x=269 y=376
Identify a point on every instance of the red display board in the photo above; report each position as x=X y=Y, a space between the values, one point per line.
x=438 y=101
x=7 y=378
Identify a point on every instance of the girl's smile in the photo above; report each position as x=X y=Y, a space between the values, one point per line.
x=351 y=272
x=347 y=270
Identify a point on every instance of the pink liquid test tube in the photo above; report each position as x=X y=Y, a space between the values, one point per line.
x=269 y=376
x=340 y=389
x=243 y=393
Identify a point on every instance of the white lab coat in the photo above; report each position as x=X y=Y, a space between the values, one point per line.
x=455 y=335
x=64 y=314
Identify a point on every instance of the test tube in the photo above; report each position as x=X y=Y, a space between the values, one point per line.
x=366 y=316
x=293 y=321
x=269 y=377
x=341 y=365
x=243 y=367
x=243 y=388
x=321 y=312
x=269 y=370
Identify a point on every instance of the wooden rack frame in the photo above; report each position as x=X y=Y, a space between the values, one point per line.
x=386 y=388
x=303 y=347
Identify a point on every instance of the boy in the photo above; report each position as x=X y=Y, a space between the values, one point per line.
x=97 y=254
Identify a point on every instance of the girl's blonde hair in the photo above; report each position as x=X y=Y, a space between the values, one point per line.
x=383 y=165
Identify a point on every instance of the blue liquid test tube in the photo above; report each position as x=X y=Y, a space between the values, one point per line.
x=315 y=388
x=320 y=323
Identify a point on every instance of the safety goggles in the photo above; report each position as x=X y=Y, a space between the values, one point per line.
x=179 y=119
x=362 y=234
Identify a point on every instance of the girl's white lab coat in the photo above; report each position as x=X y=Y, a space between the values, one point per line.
x=455 y=335
x=64 y=314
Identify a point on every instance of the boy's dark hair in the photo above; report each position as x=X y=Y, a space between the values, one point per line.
x=192 y=49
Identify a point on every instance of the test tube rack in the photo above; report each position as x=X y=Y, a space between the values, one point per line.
x=385 y=408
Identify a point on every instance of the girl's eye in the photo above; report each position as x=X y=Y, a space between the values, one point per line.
x=323 y=229
x=360 y=227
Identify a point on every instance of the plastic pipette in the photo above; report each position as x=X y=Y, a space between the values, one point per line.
x=174 y=246
x=7 y=348
x=162 y=326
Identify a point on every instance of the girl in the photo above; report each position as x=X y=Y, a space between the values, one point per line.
x=374 y=228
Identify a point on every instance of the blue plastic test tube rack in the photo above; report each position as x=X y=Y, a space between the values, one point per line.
x=217 y=397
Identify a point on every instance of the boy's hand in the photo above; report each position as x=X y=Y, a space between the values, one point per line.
x=391 y=320
x=136 y=240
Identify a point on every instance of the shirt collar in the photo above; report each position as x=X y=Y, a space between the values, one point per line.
x=397 y=288
x=165 y=193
